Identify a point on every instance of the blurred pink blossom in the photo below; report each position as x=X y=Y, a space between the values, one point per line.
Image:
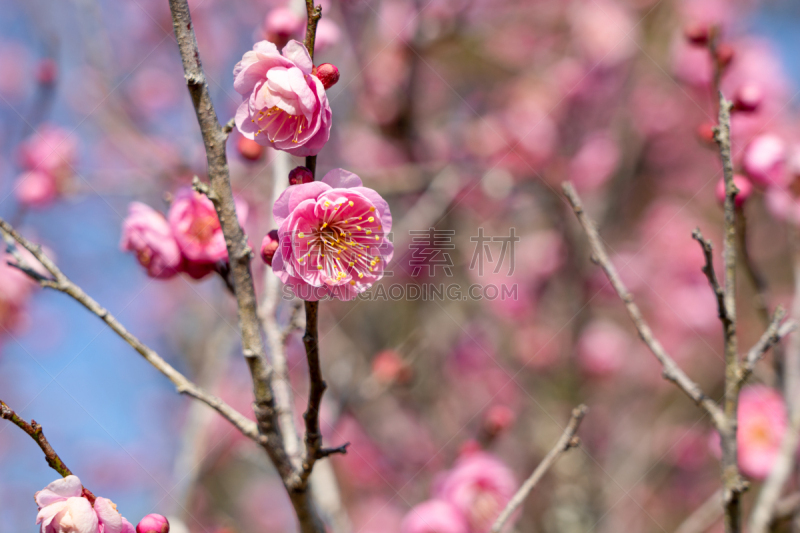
x=284 y=106
x=328 y=35
x=333 y=237
x=762 y=423
x=196 y=228
x=603 y=348
x=742 y=183
x=605 y=31
x=480 y=486
x=51 y=150
x=148 y=234
x=764 y=160
x=36 y=188
x=594 y=163
x=282 y=24
x=434 y=516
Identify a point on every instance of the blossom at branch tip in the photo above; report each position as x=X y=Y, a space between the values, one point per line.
x=333 y=237
x=480 y=486
x=153 y=523
x=147 y=233
x=285 y=105
x=434 y=516
x=64 y=509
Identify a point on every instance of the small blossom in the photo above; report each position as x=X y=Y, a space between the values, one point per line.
x=725 y=55
x=281 y=25
x=153 y=523
x=764 y=160
x=748 y=97
x=147 y=233
x=300 y=175
x=388 y=367
x=284 y=105
x=434 y=516
x=602 y=348
x=479 y=486
x=51 y=150
x=742 y=183
x=327 y=36
x=36 y=188
x=62 y=509
x=268 y=246
x=249 y=149
x=332 y=237
x=498 y=419
x=696 y=33
x=196 y=227
x=328 y=74
x=762 y=424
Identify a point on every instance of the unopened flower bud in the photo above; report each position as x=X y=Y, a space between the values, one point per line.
x=705 y=132
x=153 y=523
x=328 y=74
x=498 y=419
x=748 y=97
x=744 y=185
x=388 y=367
x=696 y=33
x=725 y=55
x=300 y=175
x=46 y=71
x=269 y=246
x=249 y=149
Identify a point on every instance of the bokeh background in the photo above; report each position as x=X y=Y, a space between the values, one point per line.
x=464 y=114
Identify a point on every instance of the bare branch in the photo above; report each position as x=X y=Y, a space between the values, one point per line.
x=568 y=440
x=672 y=371
x=35 y=432
x=317 y=386
x=314 y=14
x=62 y=283
x=771 y=337
x=708 y=270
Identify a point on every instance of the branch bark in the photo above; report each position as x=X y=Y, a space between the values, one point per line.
x=62 y=283
x=568 y=440
x=672 y=372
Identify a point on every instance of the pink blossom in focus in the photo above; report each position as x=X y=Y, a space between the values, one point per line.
x=602 y=348
x=764 y=160
x=480 y=486
x=268 y=246
x=284 y=106
x=148 y=234
x=153 y=523
x=36 y=188
x=762 y=424
x=62 y=509
x=196 y=228
x=434 y=516
x=332 y=237
x=742 y=183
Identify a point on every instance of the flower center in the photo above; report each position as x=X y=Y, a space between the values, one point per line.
x=202 y=228
x=341 y=244
x=279 y=121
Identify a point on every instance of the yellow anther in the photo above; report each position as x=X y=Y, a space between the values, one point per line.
x=372 y=209
x=369 y=231
x=360 y=275
x=351 y=203
x=301 y=235
x=371 y=219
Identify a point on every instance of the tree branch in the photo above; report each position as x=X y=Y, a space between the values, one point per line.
x=35 y=432
x=568 y=440
x=708 y=270
x=771 y=337
x=62 y=283
x=672 y=372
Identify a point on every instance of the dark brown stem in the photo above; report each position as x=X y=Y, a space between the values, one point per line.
x=314 y=13
x=317 y=386
x=708 y=270
x=35 y=432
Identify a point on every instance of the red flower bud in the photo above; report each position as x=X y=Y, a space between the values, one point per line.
x=269 y=246
x=748 y=97
x=388 y=367
x=249 y=149
x=328 y=74
x=300 y=175
x=696 y=33
x=498 y=419
x=705 y=132
x=744 y=185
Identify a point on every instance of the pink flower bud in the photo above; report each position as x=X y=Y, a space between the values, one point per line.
x=153 y=523
x=705 y=132
x=36 y=189
x=389 y=367
x=744 y=185
x=764 y=160
x=269 y=245
x=300 y=175
x=725 y=55
x=46 y=71
x=696 y=33
x=328 y=74
x=748 y=97
x=498 y=419
x=249 y=149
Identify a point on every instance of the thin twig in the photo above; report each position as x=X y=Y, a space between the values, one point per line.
x=671 y=371
x=314 y=13
x=568 y=440
x=62 y=283
x=317 y=386
x=770 y=338
x=708 y=270
x=35 y=432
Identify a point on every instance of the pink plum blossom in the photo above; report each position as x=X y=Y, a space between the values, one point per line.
x=51 y=150
x=285 y=105
x=153 y=523
x=762 y=423
x=434 y=516
x=196 y=227
x=62 y=509
x=36 y=188
x=268 y=246
x=281 y=24
x=148 y=234
x=764 y=160
x=594 y=163
x=479 y=486
x=332 y=237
